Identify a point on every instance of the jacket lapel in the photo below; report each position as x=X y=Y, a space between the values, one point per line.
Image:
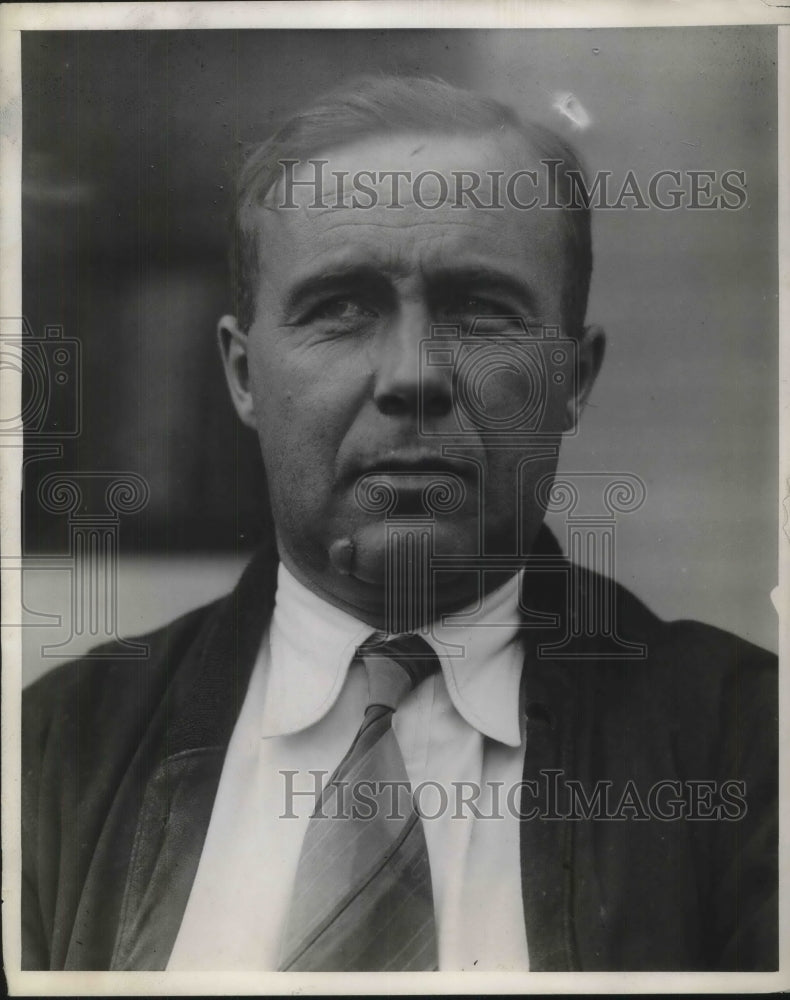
x=547 y=698
x=172 y=828
x=192 y=734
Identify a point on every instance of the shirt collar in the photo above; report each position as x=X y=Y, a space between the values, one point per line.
x=482 y=662
x=312 y=644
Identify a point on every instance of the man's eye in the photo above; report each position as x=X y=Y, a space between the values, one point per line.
x=342 y=309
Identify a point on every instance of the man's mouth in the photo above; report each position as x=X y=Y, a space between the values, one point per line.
x=413 y=483
x=417 y=464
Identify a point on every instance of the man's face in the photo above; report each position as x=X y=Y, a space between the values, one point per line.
x=343 y=396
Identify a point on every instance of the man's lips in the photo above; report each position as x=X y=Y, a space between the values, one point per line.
x=420 y=464
x=409 y=484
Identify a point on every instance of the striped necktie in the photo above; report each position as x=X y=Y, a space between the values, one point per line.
x=362 y=898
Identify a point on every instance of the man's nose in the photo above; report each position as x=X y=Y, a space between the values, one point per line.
x=405 y=385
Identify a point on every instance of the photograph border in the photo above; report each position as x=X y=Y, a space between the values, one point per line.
x=339 y=14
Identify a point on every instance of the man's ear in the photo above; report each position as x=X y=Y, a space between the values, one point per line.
x=233 y=346
x=591 y=346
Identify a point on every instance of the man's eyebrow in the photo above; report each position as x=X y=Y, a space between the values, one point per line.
x=464 y=276
x=328 y=279
x=482 y=276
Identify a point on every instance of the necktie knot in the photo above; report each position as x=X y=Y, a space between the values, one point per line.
x=395 y=665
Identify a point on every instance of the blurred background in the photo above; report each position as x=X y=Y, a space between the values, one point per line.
x=130 y=141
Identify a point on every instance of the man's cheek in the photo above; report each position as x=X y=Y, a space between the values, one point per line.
x=507 y=397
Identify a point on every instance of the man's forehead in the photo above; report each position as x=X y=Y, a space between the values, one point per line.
x=398 y=170
x=416 y=189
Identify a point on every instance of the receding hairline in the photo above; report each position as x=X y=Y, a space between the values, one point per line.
x=367 y=107
x=519 y=148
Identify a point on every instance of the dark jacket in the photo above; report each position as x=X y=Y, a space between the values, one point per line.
x=122 y=758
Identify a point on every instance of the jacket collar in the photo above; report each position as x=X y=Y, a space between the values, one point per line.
x=207 y=689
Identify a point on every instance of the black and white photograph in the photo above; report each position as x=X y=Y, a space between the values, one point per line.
x=394 y=533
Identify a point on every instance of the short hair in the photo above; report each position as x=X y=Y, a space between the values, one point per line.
x=384 y=105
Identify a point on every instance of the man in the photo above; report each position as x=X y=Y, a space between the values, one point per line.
x=410 y=355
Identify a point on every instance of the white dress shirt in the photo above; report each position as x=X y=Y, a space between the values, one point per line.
x=303 y=707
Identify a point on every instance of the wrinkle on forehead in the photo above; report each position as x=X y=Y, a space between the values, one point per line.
x=403 y=242
x=420 y=244
x=506 y=151
x=400 y=237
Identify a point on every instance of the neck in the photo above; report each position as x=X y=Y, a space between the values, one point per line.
x=378 y=608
